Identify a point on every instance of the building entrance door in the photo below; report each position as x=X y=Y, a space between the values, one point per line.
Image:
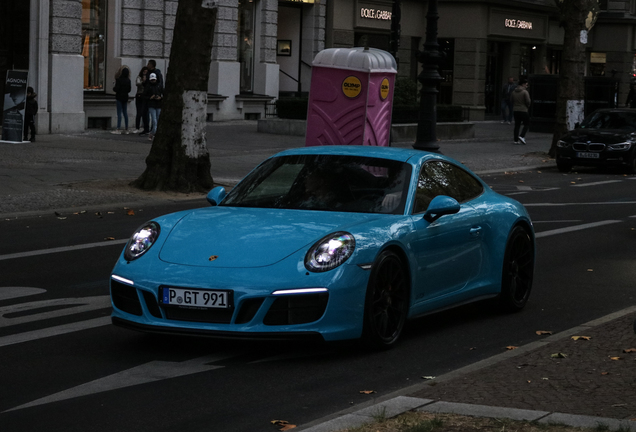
x=14 y=38
x=494 y=78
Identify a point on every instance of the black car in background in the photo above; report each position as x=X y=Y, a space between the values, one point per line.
x=607 y=137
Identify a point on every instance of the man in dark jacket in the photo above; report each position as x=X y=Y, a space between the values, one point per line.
x=506 y=100
x=30 y=111
x=154 y=95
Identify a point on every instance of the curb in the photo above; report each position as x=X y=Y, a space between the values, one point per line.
x=398 y=402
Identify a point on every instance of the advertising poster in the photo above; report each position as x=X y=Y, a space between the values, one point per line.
x=14 y=105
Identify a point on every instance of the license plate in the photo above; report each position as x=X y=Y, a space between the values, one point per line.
x=587 y=155
x=196 y=298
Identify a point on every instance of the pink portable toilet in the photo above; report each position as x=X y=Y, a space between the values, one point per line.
x=351 y=97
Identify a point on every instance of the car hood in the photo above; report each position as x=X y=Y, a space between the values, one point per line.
x=247 y=237
x=605 y=136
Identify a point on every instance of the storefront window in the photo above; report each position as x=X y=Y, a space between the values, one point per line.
x=554 y=61
x=93 y=43
x=597 y=64
x=246 y=44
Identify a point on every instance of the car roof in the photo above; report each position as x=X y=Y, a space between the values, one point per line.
x=393 y=153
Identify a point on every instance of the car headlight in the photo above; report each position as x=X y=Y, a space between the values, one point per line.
x=620 y=146
x=562 y=144
x=141 y=241
x=329 y=252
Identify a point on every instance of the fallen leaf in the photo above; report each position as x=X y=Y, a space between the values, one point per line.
x=109 y=238
x=521 y=181
x=543 y=332
x=62 y=218
x=367 y=391
x=472 y=348
x=285 y=424
x=538 y=172
x=511 y=347
x=590 y=270
x=428 y=377
x=587 y=338
x=546 y=379
x=529 y=381
x=559 y=355
x=572 y=182
x=629 y=350
x=615 y=358
x=604 y=373
x=130 y=212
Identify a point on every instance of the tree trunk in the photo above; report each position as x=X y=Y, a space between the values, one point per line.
x=576 y=16
x=179 y=159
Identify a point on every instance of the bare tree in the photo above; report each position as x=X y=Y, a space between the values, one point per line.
x=179 y=159
x=577 y=18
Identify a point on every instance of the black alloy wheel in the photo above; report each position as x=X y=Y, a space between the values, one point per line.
x=387 y=302
x=518 y=271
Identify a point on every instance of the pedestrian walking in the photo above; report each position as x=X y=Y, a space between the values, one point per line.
x=521 y=103
x=140 y=103
x=122 y=89
x=154 y=95
x=506 y=100
x=30 y=111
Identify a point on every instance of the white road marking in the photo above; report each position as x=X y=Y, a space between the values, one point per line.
x=68 y=306
x=596 y=183
x=575 y=228
x=53 y=331
x=516 y=193
x=577 y=204
x=557 y=221
x=62 y=249
x=146 y=373
x=7 y=293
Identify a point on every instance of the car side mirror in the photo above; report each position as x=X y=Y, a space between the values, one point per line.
x=441 y=205
x=216 y=195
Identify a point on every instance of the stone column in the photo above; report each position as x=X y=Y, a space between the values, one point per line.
x=266 y=69
x=66 y=92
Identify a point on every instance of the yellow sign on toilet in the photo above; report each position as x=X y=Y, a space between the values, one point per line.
x=384 y=88
x=351 y=87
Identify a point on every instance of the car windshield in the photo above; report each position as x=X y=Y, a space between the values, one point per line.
x=610 y=120
x=325 y=182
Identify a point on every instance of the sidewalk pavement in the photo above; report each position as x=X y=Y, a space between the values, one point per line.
x=586 y=387
x=94 y=168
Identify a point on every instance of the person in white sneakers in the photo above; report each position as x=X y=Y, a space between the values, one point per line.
x=521 y=103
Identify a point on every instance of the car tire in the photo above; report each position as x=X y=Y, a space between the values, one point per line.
x=563 y=166
x=631 y=164
x=387 y=302
x=518 y=271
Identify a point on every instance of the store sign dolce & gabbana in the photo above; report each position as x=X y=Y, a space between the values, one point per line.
x=375 y=15
x=512 y=23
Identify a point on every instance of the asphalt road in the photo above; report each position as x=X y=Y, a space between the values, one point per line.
x=64 y=368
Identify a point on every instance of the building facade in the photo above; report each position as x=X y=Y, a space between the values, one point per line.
x=263 y=49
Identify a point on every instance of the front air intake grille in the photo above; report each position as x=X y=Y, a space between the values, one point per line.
x=125 y=298
x=217 y=316
x=247 y=310
x=151 y=304
x=296 y=309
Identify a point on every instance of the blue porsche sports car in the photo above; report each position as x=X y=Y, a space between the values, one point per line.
x=336 y=242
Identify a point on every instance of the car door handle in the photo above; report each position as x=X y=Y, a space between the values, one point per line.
x=475 y=231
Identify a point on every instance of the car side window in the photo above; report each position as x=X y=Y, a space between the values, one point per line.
x=442 y=178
